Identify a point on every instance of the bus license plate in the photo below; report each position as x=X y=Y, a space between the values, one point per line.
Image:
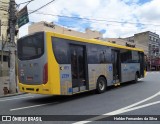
x=29 y=78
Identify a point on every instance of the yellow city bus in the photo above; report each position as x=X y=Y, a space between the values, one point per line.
x=58 y=64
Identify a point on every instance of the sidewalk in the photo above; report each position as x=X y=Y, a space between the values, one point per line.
x=9 y=95
x=4 y=82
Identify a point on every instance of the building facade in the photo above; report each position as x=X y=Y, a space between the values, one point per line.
x=118 y=41
x=4 y=55
x=151 y=42
x=4 y=52
x=45 y=26
x=124 y=42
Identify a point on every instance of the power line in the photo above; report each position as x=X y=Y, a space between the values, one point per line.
x=98 y=20
x=72 y=26
x=41 y=7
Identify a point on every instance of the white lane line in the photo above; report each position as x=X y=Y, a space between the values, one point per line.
x=33 y=106
x=124 y=109
x=142 y=101
x=115 y=113
x=138 y=107
x=140 y=79
x=15 y=98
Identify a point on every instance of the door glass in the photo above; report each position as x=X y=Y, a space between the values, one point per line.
x=115 y=62
x=78 y=65
x=142 y=65
x=74 y=63
x=81 y=62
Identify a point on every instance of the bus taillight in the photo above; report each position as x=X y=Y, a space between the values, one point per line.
x=45 y=74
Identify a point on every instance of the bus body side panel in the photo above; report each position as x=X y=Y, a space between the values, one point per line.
x=53 y=68
x=96 y=70
x=109 y=75
x=128 y=71
x=65 y=79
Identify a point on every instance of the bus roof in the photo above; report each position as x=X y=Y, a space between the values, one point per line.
x=93 y=41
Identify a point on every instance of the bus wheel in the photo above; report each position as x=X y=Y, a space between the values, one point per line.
x=101 y=85
x=136 y=78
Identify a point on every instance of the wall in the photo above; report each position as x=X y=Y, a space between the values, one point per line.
x=44 y=26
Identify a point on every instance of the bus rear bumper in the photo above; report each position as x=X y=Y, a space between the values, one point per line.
x=34 y=89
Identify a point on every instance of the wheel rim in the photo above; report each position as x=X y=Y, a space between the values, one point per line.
x=101 y=85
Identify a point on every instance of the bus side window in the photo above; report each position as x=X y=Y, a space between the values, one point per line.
x=102 y=58
x=126 y=56
x=104 y=54
x=135 y=57
x=60 y=48
x=92 y=54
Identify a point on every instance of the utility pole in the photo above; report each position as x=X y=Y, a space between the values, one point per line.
x=2 y=57
x=1 y=51
x=12 y=46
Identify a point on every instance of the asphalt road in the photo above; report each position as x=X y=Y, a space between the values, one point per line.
x=142 y=98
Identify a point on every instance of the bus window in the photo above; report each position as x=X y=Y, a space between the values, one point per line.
x=126 y=56
x=99 y=54
x=135 y=57
x=31 y=47
x=60 y=49
x=92 y=54
x=104 y=54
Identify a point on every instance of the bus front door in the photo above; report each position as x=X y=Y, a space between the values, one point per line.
x=116 y=66
x=78 y=68
x=142 y=64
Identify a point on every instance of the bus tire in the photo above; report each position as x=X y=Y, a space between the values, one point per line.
x=136 y=78
x=101 y=85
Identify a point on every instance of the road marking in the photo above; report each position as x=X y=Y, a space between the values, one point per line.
x=33 y=106
x=138 y=107
x=123 y=110
x=115 y=113
x=15 y=98
x=140 y=79
x=153 y=72
x=140 y=102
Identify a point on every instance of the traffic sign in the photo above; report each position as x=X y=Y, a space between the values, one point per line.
x=23 y=17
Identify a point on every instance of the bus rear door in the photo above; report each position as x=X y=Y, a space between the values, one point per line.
x=142 y=64
x=116 y=65
x=78 y=67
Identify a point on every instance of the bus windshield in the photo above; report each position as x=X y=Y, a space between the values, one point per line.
x=31 y=47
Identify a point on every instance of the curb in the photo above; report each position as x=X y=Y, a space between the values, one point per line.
x=9 y=95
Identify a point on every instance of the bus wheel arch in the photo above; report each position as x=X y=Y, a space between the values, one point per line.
x=101 y=84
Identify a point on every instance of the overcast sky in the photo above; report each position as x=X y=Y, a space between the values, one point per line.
x=123 y=17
